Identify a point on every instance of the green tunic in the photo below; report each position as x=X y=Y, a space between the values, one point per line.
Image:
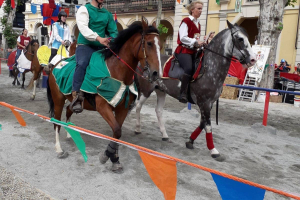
x=100 y=21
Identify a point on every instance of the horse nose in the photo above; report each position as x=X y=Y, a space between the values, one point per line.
x=154 y=75
x=253 y=61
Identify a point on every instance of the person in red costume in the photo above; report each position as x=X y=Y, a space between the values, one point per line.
x=22 y=42
x=188 y=42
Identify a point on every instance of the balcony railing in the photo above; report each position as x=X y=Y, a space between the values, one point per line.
x=127 y=6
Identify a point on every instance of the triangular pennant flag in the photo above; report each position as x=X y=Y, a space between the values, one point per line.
x=178 y=1
x=234 y=190
x=19 y=117
x=33 y=8
x=163 y=173
x=75 y=136
x=0 y=127
x=218 y=2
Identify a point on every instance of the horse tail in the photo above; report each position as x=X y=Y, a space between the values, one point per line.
x=217 y=111
x=50 y=100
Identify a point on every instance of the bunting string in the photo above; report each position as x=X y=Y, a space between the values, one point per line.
x=151 y=152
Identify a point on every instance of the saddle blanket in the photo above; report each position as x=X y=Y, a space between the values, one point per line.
x=97 y=80
x=23 y=63
x=44 y=53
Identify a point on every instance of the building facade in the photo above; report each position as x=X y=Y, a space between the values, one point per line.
x=127 y=13
x=288 y=44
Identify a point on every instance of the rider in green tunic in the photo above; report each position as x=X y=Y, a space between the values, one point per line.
x=94 y=23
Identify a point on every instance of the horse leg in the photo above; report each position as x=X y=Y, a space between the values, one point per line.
x=58 y=107
x=16 y=72
x=161 y=97
x=35 y=78
x=23 y=79
x=196 y=133
x=112 y=149
x=68 y=119
x=138 y=109
x=209 y=137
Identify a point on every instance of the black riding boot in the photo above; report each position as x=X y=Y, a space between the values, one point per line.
x=184 y=88
x=76 y=105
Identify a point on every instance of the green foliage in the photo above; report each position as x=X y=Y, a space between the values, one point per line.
x=162 y=29
x=291 y=3
x=280 y=26
x=9 y=34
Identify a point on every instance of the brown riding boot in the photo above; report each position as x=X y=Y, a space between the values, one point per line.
x=76 y=105
x=184 y=88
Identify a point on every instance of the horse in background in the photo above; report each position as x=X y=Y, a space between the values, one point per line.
x=138 y=43
x=30 y=54
x=204 y=91
x=72 y=48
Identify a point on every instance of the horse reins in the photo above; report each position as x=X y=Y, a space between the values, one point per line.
x=147 y=68
x=234 y=45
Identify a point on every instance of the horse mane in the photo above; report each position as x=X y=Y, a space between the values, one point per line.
x=116 y=44
x=242 y=30
x=227 y=29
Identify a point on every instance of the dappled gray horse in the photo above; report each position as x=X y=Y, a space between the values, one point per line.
x=231 y=42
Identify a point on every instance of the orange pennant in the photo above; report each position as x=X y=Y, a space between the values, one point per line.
x=163 y=173
x=19 y=117
x=178 y=1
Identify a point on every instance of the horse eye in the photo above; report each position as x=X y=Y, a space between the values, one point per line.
x=149 y=43
x=241 y=40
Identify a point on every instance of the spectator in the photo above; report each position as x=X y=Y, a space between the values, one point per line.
x=283 y=66
x=297 y=69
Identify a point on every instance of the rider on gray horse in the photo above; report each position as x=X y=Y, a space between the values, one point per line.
x=188 y=42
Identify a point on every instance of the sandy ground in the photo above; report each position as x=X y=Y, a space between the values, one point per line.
x=29 y=168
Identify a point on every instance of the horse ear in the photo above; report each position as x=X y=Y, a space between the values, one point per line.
x=229 y=25
x=154 y=25
x=144 y=23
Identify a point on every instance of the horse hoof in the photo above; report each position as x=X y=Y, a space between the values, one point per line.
x=18 y=83
x=32 y=98
x=137 y=133
x=103 y=158
x=117 y=168
x=165 y=139
x=189 y=145
x=218 y=157
x=62 y=155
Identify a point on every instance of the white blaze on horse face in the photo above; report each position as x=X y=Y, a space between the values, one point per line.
x=248 y=49
x=158 y=55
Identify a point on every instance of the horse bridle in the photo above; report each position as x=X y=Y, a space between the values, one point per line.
x=238 y=46
x=32 y=54
x=235 y=44
x=147 y=66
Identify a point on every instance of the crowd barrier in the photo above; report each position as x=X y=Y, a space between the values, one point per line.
x=239 y=188
x=267 y=101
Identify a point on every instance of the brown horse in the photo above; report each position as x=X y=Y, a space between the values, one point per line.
x=72 y=48
x=30 y=54
x=138 y=43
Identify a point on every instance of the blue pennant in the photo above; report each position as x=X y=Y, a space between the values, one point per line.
x=234 y=190
x=33 y=8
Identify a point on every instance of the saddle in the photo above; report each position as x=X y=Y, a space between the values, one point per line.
x=172 y=68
